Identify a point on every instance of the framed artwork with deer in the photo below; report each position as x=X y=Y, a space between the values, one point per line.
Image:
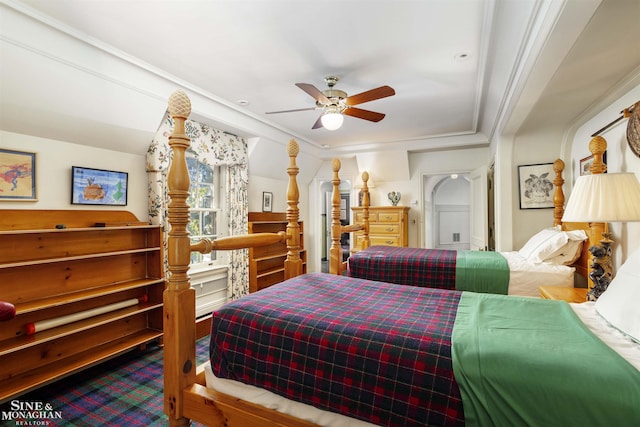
x=535 y=183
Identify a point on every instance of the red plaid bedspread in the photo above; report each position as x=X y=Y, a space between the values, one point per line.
x=373 y=351
x=430 y=268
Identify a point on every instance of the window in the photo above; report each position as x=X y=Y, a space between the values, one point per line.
x=205 y=204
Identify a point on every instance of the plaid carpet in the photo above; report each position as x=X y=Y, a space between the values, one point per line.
x=125 y=391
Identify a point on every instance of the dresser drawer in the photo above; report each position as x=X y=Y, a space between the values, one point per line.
x=379 y=228
x=359 y=218
x=388 y=217
x=384 y=240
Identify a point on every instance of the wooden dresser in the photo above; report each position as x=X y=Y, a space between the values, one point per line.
x=266 y=263
x=388 y=225
x=83 y=292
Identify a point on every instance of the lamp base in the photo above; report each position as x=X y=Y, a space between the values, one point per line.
x=601 y=268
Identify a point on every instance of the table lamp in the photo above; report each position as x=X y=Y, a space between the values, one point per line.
x=603 y=198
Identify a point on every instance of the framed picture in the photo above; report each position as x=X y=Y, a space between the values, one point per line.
x=267 y=202
x=535 y=183
x=98 y=187
x=585 y=164
x=17 y=176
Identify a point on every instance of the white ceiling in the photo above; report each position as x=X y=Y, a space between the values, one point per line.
x=225 y=51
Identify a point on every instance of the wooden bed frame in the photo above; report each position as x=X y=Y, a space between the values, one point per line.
x=186 y=396
x=593 y=230
x=336 y=263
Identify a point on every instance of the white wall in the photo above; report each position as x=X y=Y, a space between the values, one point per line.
x=543 y=145
x=53 y=173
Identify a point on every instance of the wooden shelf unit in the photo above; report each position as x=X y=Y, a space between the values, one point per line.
x=48 y=272
x=266 y=263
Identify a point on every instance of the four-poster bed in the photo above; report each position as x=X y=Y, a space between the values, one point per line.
x=387 y=334
x=514 y=273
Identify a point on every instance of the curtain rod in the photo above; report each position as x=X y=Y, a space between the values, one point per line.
x=625 y=114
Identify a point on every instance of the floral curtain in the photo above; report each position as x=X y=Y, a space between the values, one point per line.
x=215 y=148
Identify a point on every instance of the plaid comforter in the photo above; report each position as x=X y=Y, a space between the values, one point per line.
x=431 y=268
x=476 y=271
x=316 y=339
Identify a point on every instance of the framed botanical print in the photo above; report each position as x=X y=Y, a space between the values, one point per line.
x=17 y=176
x=535 y=183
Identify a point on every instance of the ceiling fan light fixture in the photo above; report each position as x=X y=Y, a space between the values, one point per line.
x=332 y=120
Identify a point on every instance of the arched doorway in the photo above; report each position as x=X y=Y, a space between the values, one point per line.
x=447 y=211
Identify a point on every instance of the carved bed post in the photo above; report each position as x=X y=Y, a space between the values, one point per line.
x=365 y=209
x=600 y=235
x=335 y=252
x=558 y=196
x=179 y=298
x=293 y=263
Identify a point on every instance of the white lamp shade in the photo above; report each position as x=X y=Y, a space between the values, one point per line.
x=332 y=121
x=606 y=197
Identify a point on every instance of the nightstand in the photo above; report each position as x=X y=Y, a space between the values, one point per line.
x=564 y=293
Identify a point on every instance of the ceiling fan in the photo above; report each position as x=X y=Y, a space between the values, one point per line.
x=336 y=104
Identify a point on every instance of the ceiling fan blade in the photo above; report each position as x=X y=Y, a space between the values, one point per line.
x=318 y=123
x=291 y=111
x=370 y=95
x=372 y=116
x=314 y=92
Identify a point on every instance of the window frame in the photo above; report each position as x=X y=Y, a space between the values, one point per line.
x=218 y=207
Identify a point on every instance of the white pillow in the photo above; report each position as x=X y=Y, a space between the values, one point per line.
x=568 y=254
x=544 y=244
x=619 y=303
x=571 y=251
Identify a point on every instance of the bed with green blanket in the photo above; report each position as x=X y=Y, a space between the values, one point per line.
x=394 y=355
x=533 y=362
x=505 y=273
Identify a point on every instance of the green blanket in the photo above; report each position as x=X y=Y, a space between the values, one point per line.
x=482 y=271
x=532 y=362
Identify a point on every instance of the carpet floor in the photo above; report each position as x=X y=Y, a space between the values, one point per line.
x=124 y=391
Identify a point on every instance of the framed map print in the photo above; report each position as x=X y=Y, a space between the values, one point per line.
x=17 y=175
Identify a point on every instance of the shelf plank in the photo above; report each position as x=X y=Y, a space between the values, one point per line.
x=85 y=294
x=25 y=341
x=77 y=257
x=76 y=229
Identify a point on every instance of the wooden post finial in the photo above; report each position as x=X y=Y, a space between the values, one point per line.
x=598 y=145
x=293 y=149
x=335 y=165
x=179 y=104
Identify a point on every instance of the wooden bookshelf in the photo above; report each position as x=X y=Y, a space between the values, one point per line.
x=52 y=273
x=266 y=263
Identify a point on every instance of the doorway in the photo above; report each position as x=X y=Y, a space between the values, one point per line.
x=447 y=211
